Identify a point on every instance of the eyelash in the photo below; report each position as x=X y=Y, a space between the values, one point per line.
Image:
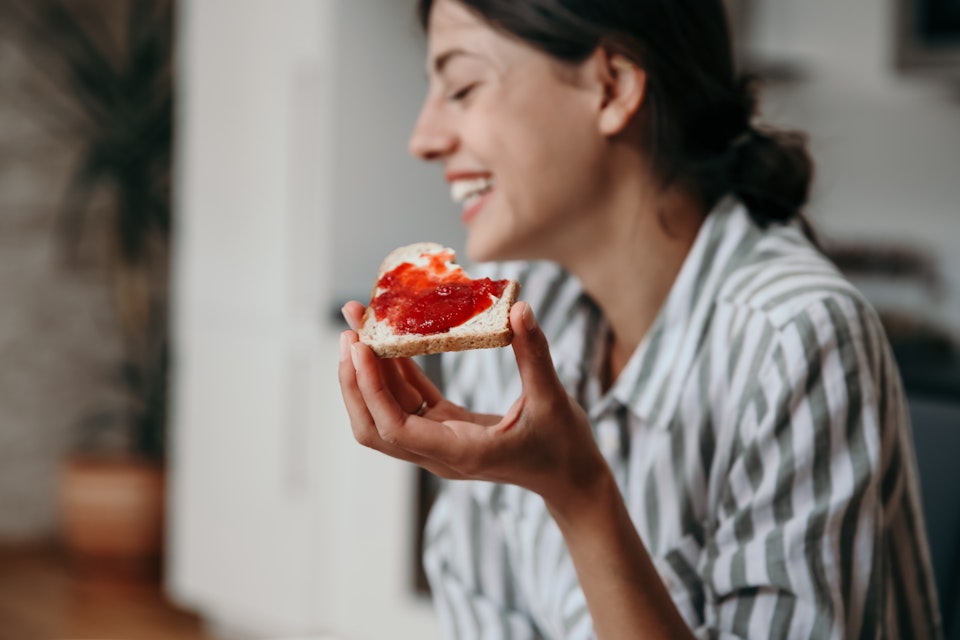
x=461 y=94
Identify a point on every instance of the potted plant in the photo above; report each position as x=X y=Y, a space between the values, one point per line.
x=106 y=79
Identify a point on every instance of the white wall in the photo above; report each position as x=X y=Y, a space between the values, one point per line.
x=280 y=523
x=384 y=197
x=887 y=146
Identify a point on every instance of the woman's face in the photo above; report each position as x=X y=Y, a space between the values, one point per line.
x=516 y=134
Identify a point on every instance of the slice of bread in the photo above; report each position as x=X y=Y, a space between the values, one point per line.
x=489 y=328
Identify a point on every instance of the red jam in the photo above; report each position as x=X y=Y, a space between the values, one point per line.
x=433 y=298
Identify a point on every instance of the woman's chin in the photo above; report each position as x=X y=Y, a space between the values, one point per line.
x=498 y=246
x=483 y=246
x=478 y=251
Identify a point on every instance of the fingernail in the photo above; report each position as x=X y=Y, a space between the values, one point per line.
x=344 y=347
x=343 y=312
x=355 y=352
x=529 y=321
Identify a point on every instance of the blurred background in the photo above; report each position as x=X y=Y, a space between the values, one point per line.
x=189 y=191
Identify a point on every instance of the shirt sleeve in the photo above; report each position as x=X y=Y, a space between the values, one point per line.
x=817 y=531
x=468 y=565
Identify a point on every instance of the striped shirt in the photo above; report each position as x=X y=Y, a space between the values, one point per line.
x=759 y=438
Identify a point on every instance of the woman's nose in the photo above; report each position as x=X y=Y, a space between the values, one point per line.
x=432 y=139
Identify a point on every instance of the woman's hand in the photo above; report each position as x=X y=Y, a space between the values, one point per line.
x=544 y=442
x=411 y=388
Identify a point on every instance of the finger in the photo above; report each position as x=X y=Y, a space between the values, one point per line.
x=374 y=388
x=408 y=396
x=353 y=314
x=362 y=423
x=410 y=432
x=435 y=398
x=532 y=352
x=419 y=380
x=503 y=423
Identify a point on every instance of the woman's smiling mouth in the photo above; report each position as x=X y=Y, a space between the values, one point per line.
x=472 y=194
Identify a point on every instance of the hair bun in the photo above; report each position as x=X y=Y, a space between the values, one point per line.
x=771 y=171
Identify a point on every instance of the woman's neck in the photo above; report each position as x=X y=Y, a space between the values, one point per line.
x=639 y=241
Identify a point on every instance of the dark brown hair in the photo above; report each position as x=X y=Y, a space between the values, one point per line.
x=699 y=123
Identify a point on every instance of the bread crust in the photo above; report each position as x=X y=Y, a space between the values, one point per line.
x=387 y=344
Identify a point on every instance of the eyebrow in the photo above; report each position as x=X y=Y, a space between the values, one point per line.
x=441 y=61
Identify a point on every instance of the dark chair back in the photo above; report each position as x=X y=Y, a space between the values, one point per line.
x=936 y=432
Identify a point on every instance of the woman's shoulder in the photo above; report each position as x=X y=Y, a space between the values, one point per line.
x=786 y=299
x=782 y=275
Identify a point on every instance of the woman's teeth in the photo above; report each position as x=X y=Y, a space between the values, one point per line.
x=466 y=192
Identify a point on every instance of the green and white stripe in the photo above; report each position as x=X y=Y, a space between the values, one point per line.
x=760 y=440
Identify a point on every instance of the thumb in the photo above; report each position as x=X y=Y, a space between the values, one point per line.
x=532 y=352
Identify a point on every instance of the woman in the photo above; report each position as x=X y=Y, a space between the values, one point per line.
x=705 y=433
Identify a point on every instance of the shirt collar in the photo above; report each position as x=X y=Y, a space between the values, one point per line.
x=652 y=382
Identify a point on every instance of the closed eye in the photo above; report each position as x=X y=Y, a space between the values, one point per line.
x=461 y=94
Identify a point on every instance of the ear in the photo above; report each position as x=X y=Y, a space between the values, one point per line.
x=624 y=89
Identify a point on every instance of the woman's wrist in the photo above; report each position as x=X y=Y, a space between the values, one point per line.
x=590 y=487
x=623 y=589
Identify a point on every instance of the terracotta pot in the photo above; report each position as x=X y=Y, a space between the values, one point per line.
x=112 y=516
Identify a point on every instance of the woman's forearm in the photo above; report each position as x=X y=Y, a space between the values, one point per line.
x=624 y=592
